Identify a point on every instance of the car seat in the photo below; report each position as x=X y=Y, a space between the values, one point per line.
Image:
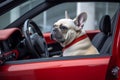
x=105 y=31
x=107 y=45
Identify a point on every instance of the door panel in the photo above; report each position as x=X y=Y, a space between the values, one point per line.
x=78 y=69
x=92 y=33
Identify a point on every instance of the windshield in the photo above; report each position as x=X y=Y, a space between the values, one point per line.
x=17 y=12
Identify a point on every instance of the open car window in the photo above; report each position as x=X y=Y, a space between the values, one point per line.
x=46 y=19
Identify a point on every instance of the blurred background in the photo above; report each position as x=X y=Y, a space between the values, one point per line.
x=45 y=20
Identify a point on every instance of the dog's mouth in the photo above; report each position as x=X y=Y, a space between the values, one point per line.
x=61 y=41
x=57 y=37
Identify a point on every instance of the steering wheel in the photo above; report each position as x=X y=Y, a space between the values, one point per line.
x=35 y=41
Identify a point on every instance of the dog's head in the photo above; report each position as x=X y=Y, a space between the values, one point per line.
x=65 y=30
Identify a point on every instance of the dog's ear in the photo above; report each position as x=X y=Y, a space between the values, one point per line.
x=80 y=19
x=66 y=15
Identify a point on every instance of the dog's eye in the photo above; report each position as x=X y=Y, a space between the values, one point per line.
x=63 y=28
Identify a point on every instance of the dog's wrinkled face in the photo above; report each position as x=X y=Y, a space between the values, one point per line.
x=65 y=30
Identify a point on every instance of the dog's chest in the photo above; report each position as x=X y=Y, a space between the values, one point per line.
x=79 y=48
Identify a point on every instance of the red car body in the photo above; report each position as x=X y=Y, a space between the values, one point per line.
x=68 y=68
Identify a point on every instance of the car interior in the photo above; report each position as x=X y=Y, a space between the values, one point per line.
x=24 y=44
x=105 y=32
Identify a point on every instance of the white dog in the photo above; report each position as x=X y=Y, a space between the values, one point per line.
x=72 y=37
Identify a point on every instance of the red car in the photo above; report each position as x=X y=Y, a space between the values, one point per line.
x=26 y=49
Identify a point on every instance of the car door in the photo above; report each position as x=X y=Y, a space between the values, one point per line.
x=114 y=65
x=116 y=54
x=91 y=67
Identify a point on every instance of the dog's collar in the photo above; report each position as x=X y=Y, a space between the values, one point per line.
x=75 y=41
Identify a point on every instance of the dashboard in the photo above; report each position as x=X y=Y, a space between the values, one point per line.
x=12 y=42
x=9 y=42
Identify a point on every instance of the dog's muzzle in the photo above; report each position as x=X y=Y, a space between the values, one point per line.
x=57 y=35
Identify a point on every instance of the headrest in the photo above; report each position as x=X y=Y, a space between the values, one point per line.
x=105 y=24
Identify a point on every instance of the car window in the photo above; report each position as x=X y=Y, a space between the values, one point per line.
x=95 y=10
x=17 y=12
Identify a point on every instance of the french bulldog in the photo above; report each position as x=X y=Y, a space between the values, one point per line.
x=70 y=34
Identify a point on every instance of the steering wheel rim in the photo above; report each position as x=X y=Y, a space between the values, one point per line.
x=41 y=43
